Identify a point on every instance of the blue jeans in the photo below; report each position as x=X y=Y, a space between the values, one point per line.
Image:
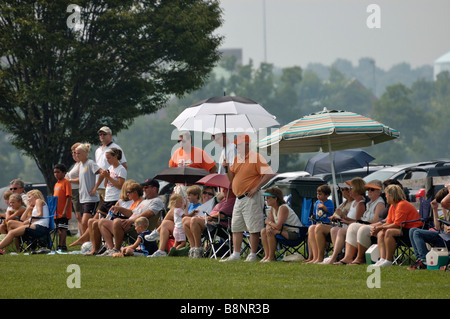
x=420 y=237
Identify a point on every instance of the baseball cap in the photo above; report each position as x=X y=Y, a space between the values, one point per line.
x=105 y=129
x=150 y=182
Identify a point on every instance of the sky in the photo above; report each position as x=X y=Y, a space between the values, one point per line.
x=299 y=32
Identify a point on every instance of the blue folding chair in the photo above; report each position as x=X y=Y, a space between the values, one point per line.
x=45 y=240
x=300 y=244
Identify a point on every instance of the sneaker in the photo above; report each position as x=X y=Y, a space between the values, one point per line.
x=418 y=265
x=385 y=263
x=159 y=253
x=154 y=235
x=379 y=262
x=198 y=252
x=191 y=252
x=251 y=257
x=233 y=257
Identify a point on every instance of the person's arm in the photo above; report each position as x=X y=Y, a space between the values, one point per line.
x=66 y=206
x=264 y=179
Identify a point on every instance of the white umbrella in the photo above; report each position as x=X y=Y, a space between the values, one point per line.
x=224 y=113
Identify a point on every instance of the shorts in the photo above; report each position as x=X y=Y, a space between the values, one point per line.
x=292 y=235
x=248 y=214
x=62 y=223
x=88 y=208
x=104 y=209
x=76 y=206
x=179 y=234
x=37 y=232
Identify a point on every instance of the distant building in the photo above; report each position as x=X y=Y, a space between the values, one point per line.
x=441 y=64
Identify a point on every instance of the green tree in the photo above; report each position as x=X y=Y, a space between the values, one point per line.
x=60 y=82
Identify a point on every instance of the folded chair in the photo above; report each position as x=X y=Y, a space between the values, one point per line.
x=47 y=240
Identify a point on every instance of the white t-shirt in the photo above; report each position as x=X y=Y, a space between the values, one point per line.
x=88 y=172
x=154 y=204
x=100 y=157
x=178 y=217
x=112 y=193
x=45 y=213
x=74 y=173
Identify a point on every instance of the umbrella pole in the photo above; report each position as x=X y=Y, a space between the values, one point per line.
x=333 y=174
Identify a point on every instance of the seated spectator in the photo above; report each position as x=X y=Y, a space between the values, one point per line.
x=194 y=226
x=37 y=226
x=323 y=208
x=401 y=210
x=207 y=194
x=332 y=229
x=16 y=208
x=279 y=222
x=167 y=228
x=124 y=201
x=18 y=186
x=140 y=247
x=6 y=195
x=357 y=209
x=358 y=240
x=149 y=208
x=421 y=237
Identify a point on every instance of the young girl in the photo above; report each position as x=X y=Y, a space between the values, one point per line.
x=16 y=208
x=87 y=185
x=176 y=202
x=36 y=227
x=114 y=178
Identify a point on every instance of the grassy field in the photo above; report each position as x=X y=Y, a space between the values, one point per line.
x=46 y=277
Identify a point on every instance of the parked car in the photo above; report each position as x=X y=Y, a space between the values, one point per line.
x=348 y=175
x=284 y=176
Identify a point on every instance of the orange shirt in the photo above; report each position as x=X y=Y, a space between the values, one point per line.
x=196 y=158
x=403 y=212
x=63 y=190
x=248 y=172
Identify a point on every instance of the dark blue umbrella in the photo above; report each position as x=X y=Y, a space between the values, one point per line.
x=342 y=161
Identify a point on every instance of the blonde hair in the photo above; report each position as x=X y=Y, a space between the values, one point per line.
x=141 y=221
x=74 y=146
x=395 y=192
x=123 y=192
x=85 y=147
x=173 y=200
x=36 y=194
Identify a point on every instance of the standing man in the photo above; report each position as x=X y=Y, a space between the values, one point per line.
x=105 y=136
x=248 y=174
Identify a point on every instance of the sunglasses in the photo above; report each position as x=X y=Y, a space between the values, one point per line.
x=208 y=193
x=372 y=189
x=13 y=188
x=102 y=134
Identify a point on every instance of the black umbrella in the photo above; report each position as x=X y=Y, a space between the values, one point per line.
x=342 y=160
x=185 y=175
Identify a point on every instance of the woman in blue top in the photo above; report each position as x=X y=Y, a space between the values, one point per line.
x=323 y=208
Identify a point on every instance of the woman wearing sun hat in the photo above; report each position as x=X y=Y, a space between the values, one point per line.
x=280 y=214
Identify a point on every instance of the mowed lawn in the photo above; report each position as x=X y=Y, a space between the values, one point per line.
x=49 y=276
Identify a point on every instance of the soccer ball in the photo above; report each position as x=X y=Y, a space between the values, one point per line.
x=86 y=247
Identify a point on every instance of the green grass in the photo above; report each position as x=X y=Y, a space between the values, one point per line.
x=45 y=276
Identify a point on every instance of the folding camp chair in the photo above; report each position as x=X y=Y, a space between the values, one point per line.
x=47 y=240
x=218 y=239
x=300 y=244
x=404 y=252
x=446 y=239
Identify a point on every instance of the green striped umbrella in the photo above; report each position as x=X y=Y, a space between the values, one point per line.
x=329 y=131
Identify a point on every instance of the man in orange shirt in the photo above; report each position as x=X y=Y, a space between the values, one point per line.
x=248 y=174
x=62 y=190
x=188 y=155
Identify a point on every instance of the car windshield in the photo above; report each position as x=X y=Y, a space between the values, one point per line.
x=380 y=175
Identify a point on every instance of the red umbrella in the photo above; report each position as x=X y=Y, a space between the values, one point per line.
x=217 y=180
